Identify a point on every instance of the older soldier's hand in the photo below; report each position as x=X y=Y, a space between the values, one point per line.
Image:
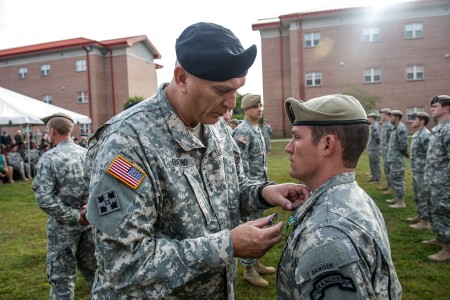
x=287 y=195
x=254 y=238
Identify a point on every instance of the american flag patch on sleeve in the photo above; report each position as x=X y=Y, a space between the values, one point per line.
x=126 y=172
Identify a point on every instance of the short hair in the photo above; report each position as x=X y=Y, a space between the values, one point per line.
x=353 y=138
x=62 y=125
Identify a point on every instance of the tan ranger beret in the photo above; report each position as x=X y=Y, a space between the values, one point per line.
x=326 y=110
x=249 y=100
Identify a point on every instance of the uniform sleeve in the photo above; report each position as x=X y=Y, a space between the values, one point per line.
x=377 y=134
x=45 y=193
x=403 y=139
x=330 y=267
x=131 y=252
x=243 y=143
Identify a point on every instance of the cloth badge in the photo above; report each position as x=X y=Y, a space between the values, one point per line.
x=126 y=172
x=327 y=281
x=107 y=202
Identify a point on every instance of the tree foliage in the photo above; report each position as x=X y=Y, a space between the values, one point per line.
x=369 y=102
x=132 y=101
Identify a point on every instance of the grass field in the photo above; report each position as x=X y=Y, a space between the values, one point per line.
x=23 y=243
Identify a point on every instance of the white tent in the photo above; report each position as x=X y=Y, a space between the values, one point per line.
x=17 y=109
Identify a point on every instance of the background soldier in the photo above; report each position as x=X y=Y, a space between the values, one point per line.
x=373 y=148
x=267 y=133
x=250 y=140
x=61 y=191
x=396 y=158
x=385 y=129
x=419 y=148
x=16 y=161
x=437 y=175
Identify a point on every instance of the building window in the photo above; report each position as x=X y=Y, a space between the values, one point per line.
x=313 y=79
x=312 y=40
x=84 y=129
x=413 y=31
x=45 y=70
x=47 y=99
x=80 y=65
x=82 y=97
x=22 y=73
x=413 y=110
x=372 y=75
x=371 y=34
x=415 y=73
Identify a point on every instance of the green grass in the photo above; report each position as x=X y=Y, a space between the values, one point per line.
x=23 y=243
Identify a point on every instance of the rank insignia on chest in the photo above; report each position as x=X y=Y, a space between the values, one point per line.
x=107 y=202
x=126 y=172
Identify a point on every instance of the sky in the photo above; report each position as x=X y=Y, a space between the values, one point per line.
x=29 y=22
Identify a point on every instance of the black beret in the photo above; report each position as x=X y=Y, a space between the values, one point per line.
x=212 y=52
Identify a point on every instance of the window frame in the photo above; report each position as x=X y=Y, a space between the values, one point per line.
x=371 y=32
x=314 y=76
x=310 y=37
x=415 y=72
x=80 y=65
x=414 y=29
x=45 y=71
x=82 y=97
x=22 y=73
x=372 y=72
x=47 y=98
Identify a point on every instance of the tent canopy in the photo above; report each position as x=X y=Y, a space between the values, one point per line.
x=17 y=109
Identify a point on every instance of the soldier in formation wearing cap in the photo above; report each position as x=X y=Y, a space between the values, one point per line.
x=61 y=191
x=437 y=176
x=418 y=150
x=249 y=138
x=338 y=247
x=396 y=158
x=373 y=148
x=267 y=133
x=167 y=183
x=385 y=129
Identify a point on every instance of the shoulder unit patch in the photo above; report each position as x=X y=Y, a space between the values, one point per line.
x=126 y=172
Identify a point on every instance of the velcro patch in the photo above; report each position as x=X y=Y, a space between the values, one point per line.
x=327 y=281
x=107 y=202
x=126 y=172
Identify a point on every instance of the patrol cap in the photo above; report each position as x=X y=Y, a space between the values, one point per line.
x=420 y=114
x=443 y=99
x=60 y=115
x=373 y=115
x=385 y=110
x=326 y=110
x=212 y=52
x=396 y=112
x=249 y=100
x=234 y=121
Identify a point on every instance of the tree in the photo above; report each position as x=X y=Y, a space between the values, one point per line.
x=367 y=101
x=132 y=101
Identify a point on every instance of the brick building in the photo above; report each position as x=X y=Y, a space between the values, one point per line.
x=93 y=78
x=399 y=53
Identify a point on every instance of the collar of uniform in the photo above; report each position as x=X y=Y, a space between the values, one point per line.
x=338 y=179
x=255 y=128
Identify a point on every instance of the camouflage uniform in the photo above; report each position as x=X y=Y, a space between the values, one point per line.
x=16 y=161
x=60 y=190
x=162 y=229
x=385 y=129
x=421 y=191
x=338 y=248
x=437 y=175
x=398 y=146
x=250 y=140
x=35 y=155
x=373 y=148
x=267 y=133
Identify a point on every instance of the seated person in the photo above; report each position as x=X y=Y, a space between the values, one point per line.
x=18 y=164
x=6 y=171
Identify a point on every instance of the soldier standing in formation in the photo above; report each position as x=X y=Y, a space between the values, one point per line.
x=267 y=133
x=437 y=176
x=249 y=138
x=373 y=148
x=385 y=128
x=396 y=158
x=421 y=192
